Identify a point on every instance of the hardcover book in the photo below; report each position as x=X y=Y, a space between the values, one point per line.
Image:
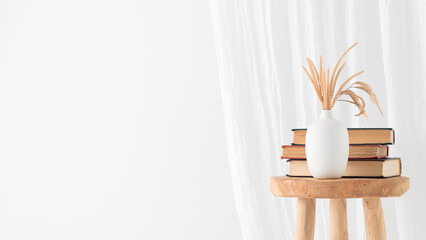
x=388 y=167
x=355 y=151
x=380 y=136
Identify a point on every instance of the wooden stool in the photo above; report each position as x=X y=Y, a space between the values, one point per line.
x=370 y=189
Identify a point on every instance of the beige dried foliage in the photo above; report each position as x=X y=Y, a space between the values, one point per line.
x=358 y=101
x=325 y=84
x=369 y=90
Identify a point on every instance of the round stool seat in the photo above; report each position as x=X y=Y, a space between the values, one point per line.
x=300 y=187
x=338 y=190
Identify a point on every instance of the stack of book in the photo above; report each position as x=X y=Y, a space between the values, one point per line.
x=368 y=154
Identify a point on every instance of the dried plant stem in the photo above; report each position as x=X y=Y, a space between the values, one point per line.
x=313 y=65
x=325 y=85
x=337 y=75
x=315 y=85
x=324 y=89
x=328 y=87
x=338 y=62
x=313 y=68
x=343 y=85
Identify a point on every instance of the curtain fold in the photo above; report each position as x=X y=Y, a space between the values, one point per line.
x=261 y=46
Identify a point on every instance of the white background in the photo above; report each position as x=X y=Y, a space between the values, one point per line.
x=111 y=124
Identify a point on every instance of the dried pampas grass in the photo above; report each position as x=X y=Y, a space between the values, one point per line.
x=325 y=85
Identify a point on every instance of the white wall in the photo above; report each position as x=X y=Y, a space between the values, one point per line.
x=111 y=123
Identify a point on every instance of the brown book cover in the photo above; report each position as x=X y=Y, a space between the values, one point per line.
x=355 y=151
x=369 y=168
x=359 y=136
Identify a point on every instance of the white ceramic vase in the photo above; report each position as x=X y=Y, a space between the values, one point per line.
x=327 y=147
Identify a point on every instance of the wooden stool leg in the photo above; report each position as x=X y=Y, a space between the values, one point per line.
x=338 y=219
x=305 y=224
x=374 y=220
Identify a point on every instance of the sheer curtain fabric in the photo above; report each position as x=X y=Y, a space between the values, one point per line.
x=261 y=46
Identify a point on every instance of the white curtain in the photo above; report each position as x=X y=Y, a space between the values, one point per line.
x=261 y=46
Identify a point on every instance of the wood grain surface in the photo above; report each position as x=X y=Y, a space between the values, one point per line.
x=338 y=219
x=305 y=222
x=283 y=186
x=374 y=220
